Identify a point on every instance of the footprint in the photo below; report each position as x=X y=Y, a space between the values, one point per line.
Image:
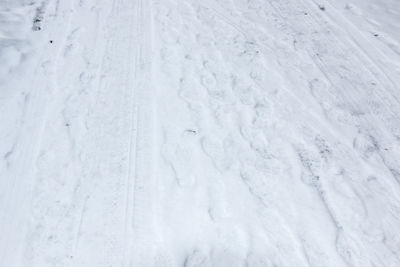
x=365 y=144
x=216 y=151
x=320 y=92
x=209 y=81
x=254 y=180
x=182 y=161
x=313 y=253
x=312 y=164
x=246 y=93
x=348 y=248
x=224 y=257
x=343 y=115
x=72 y=47
x=162 y=259
x=39 y=17
x=189 y=90
x=197 y=259
x=216 y=81
x=218 y=203
x=264 y=116
x=258 y=260
x=10 y=58
x=206 y=16
x=86 y=78
x=231 y=247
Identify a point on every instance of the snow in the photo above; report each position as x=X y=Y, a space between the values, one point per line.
x=199 y=133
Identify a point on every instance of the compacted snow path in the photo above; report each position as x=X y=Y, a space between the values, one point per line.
x=199 y=133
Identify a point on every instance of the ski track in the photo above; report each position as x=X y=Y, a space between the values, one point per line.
x=201 y=133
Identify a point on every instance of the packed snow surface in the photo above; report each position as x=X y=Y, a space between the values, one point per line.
x=199 y=133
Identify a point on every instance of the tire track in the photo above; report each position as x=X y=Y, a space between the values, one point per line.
x=143 y=209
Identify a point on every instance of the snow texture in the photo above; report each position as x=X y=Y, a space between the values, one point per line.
x=199 y=133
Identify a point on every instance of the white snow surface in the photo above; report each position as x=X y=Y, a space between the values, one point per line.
x=199 y=133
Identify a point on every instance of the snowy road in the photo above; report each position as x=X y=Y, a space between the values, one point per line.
x=199 y=133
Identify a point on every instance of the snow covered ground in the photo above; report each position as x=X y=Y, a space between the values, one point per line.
x=199 y=133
